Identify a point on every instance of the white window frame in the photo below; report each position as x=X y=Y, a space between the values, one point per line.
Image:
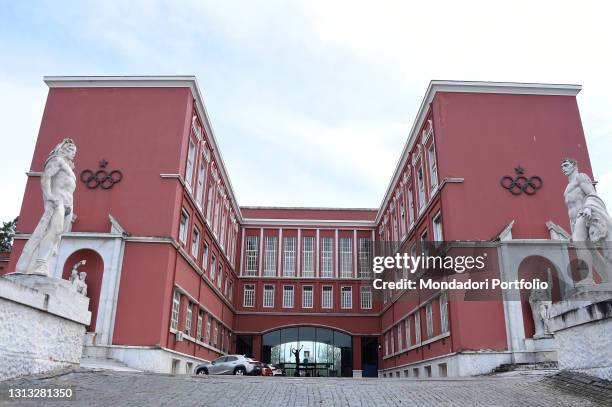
x=417 y=327
x=408 y=334
x=289 y=256
x=204 y=255
x=288 y=296
x=410 y=207
x=400 y=342
x=213 y=268
x=424 y=248
x=252 y=256
x=199 y=325
x=433 y=167
x=308 y=265
x=188 y=318
x=183 y=226
x=209 y=203
x=190 y=162
x=346 y=297
x=268 y=296
x=346 y=257
x=437 y=228
x=420 y=175
x=200 y=181
x=249 y=296
x=327 y=297
x=195 y=242
x=429 y=320
x=307 y=300
x=327 y=257
x=365 y=269
x=444 y=312
x=365 y=293
x=176 y=309
x=270 y=260
x=208 y=328
x=220 y=276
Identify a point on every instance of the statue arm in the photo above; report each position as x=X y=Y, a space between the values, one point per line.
x=586 y=185
x=49 y=172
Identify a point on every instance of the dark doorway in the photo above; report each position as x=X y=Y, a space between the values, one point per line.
x=244 y=345
x=369 y=356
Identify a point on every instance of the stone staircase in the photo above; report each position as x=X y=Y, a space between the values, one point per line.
x=99 y=363
x=544 y=368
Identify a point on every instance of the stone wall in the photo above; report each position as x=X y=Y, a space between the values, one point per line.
x=41 y=328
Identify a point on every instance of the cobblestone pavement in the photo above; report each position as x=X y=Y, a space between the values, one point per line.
x=106 y=388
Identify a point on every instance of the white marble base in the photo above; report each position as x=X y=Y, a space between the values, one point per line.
x=582 y=330
x=42 y=324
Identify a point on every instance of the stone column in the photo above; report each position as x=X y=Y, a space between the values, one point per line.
x=357 y=371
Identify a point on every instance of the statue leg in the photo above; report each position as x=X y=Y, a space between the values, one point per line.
x=48 y=244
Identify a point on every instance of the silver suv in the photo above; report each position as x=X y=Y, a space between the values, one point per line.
x=238 y=365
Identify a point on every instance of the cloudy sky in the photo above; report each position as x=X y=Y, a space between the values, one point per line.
x=304 y=92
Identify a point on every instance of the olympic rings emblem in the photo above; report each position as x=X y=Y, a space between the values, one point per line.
x=521 y=184
x=101 y=178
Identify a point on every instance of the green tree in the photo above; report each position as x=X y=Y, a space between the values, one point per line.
x=7 y=231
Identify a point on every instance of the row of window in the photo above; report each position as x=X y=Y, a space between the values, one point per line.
x=219 y=214
x=207 y=330
x=288 y=263
x=403 y=330
x=396 y=225
x=327 y=297
x=215 y=274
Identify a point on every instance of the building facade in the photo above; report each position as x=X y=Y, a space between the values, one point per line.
x=179 y=273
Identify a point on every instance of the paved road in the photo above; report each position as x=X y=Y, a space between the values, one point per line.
x=107 y=388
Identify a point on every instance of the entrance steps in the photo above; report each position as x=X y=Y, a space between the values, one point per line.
x=526 y=368
x=96 y=363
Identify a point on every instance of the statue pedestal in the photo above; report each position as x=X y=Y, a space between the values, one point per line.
x=43 y=322
x=582 y=325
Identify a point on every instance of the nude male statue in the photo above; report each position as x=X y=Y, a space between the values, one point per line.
x=58 y=183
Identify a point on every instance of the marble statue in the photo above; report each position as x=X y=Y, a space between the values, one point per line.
x=58 y=183
x=78 y=279
x=540 y=301
x=589 y=218
x=81 y=287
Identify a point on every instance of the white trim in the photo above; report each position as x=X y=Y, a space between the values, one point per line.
x=300 y=222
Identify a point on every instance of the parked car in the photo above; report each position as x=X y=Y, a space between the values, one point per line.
x=238 y=365
x=277 y=371
x=266 y=370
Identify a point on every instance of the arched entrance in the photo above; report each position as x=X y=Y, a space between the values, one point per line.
x=321 y=351
x=530 y=268
x=95 y=270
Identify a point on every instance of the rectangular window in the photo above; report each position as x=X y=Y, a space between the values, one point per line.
x=195 y=242
x=308 y=257
x=231 y=290
x=429 y=320
x=205 y=256
x=437 y=229
x=176 y=306
x=199 y=326
x=216 y=334
x=252 y=252
x=408 y=337
x=433 y=168
x=347 y=297
x=410 y=207
x=402 y=218
x=200 y=192
x=365 y=269
x=417 y=327
x=289 y=254
x=444 y=311
x=208 y=323
x=346 y=257
x=190 y=160
x=424 y=244
x=220 y=276
x=223 y=222
x=307 y=296
x=392 y=339
x=209 y=203
x=327 y=299
x=249 y=295
x=400 y=344
x=270 y=256
x=213 y=268
x=188 y=318
x=327 y=257
x=366 y=297
x=183 y=226
x=387 y=344
x=222 y=347
x=288 y=296
x=268 y=296
x=216 y=216
x=421 y=183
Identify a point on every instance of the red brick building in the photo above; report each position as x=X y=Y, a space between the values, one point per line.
x=178 y=272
